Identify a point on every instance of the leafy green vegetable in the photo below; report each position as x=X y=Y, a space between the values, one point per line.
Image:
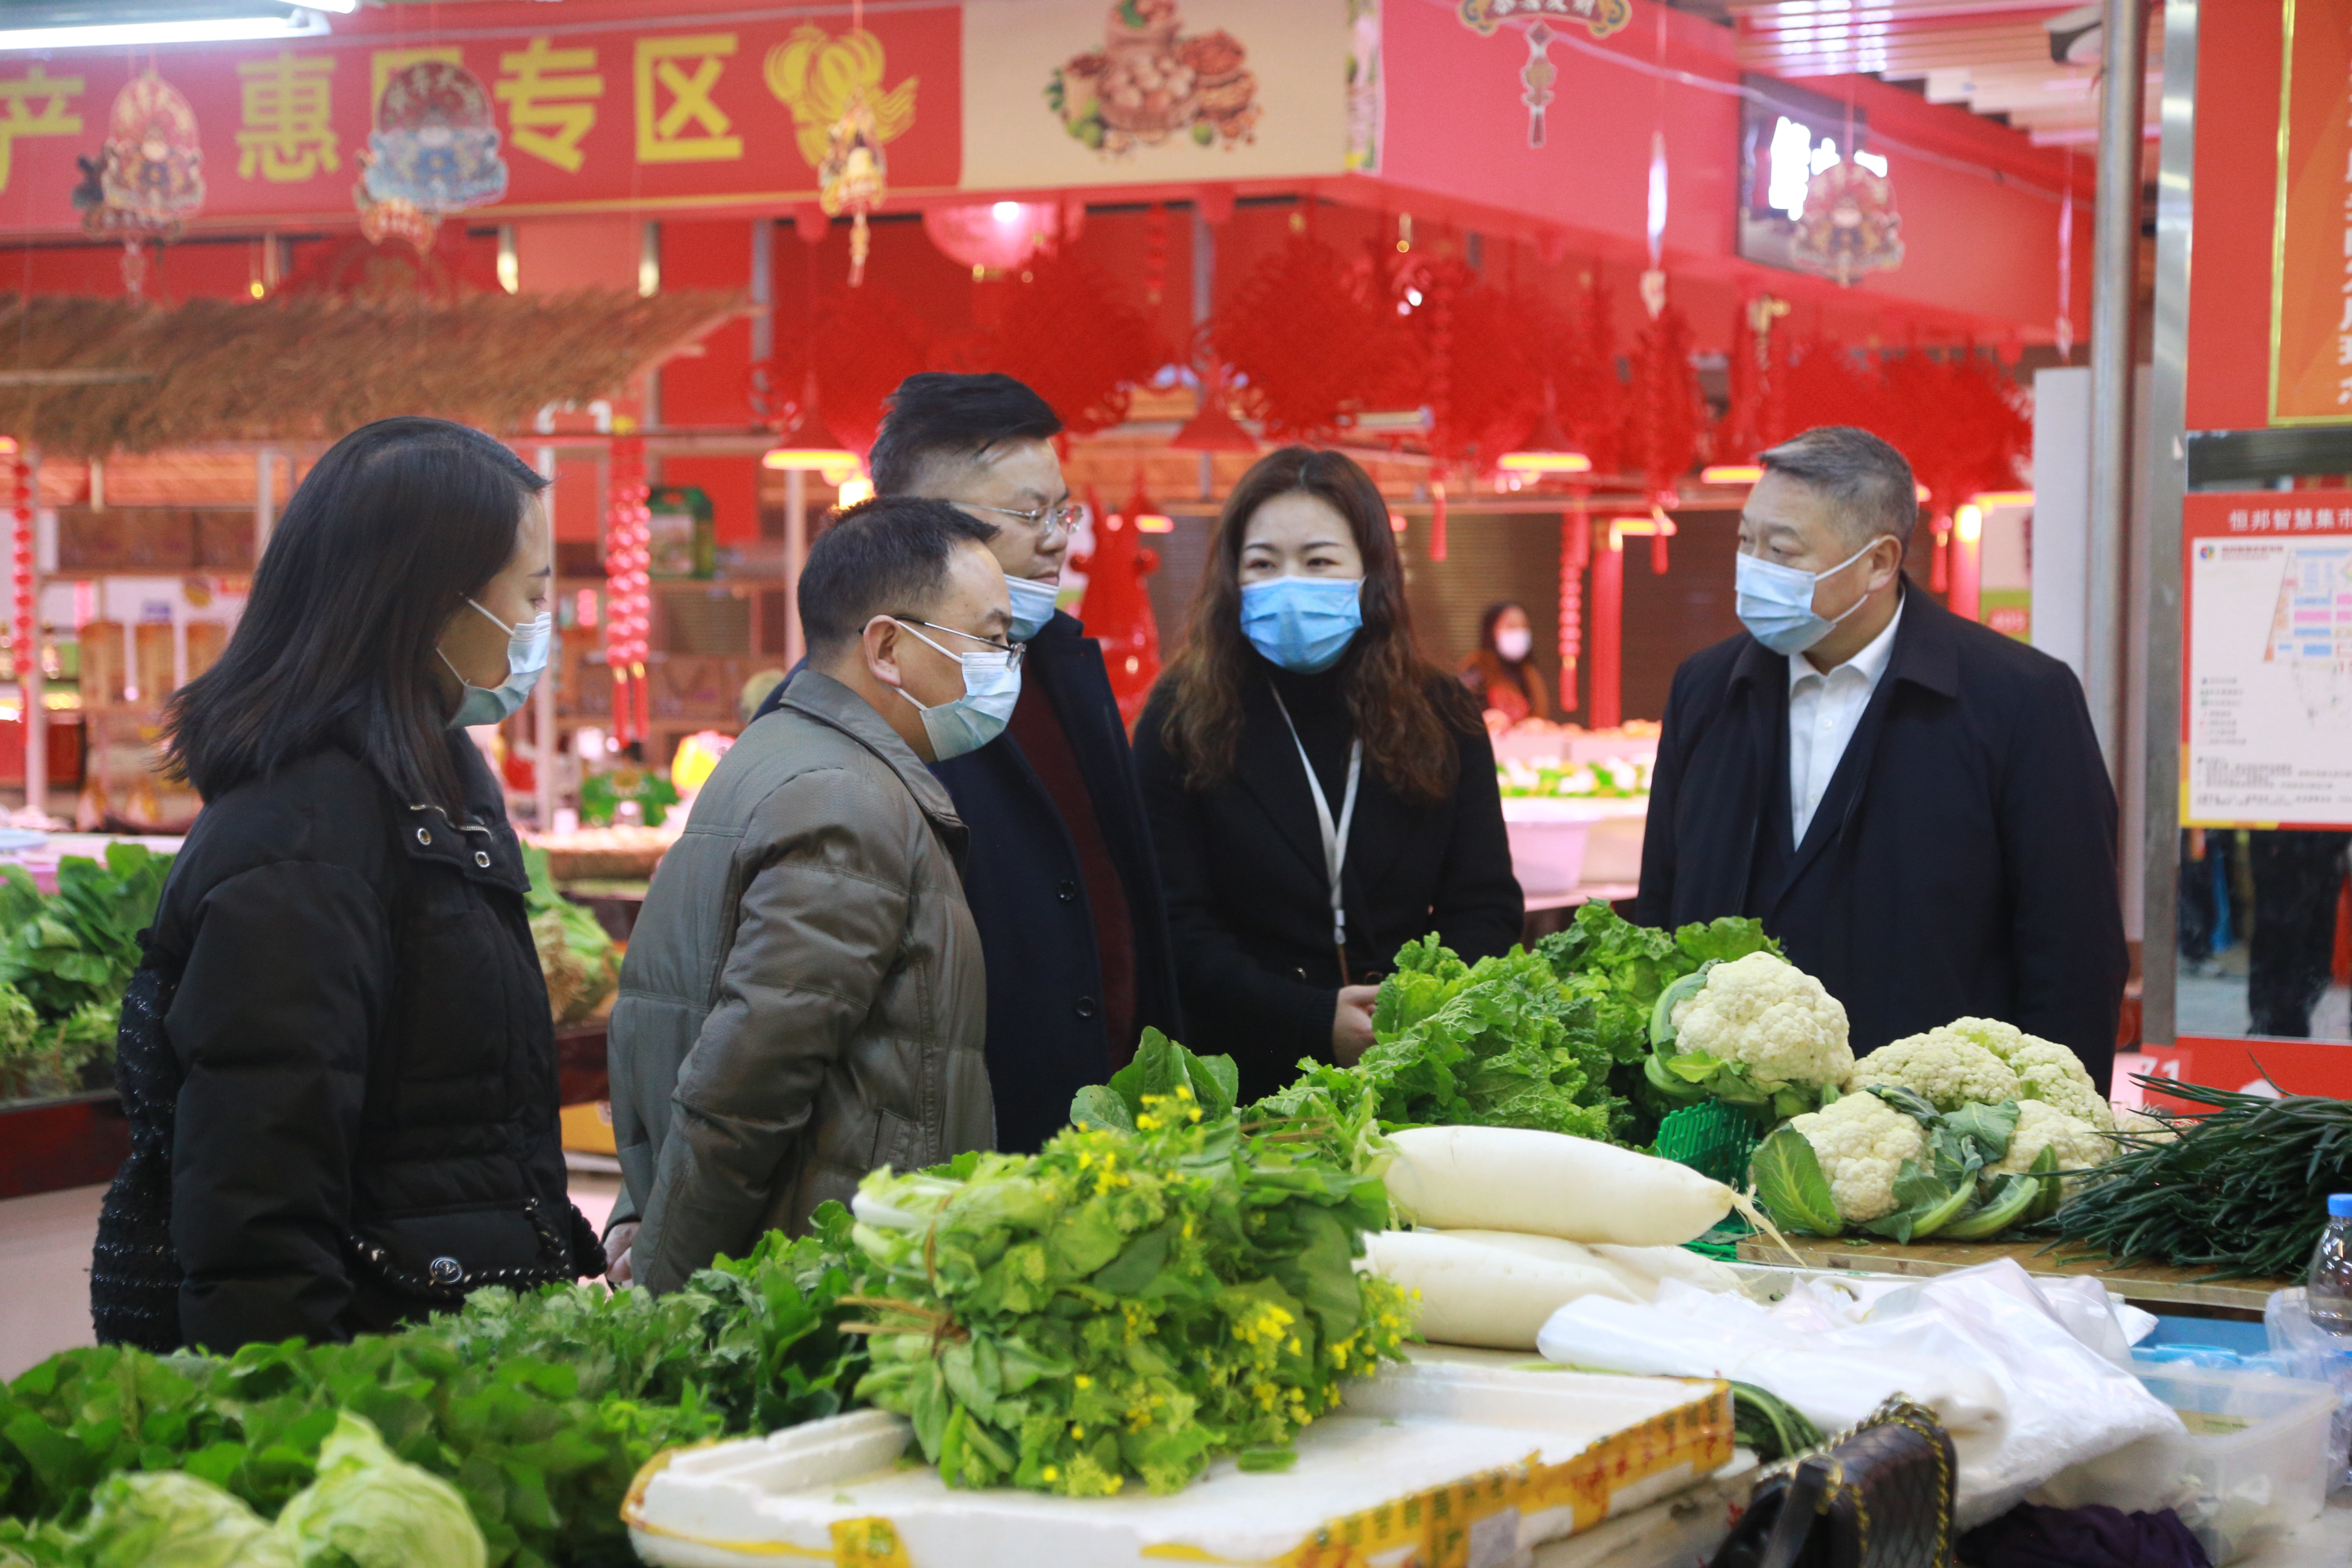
x=81 y=945
x=577 y=957
x=539 y=1409
x=1125 y=1304
x=2239 y=1188
x=1160 y=1068
x=167 y=1519
x=1769 y=1424
x=1493 y=1044
x=1791 y=1186
x=369 y=1509
x=1622 y=969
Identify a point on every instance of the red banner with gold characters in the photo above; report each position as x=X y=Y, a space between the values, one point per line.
x=2311 y=278
x=509 y=109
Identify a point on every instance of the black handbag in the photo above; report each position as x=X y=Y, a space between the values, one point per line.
x=1877 y=1496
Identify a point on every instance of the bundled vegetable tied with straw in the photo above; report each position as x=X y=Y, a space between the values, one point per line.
x=1131 y=1303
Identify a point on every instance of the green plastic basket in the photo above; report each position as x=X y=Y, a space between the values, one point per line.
x=1712 y=1138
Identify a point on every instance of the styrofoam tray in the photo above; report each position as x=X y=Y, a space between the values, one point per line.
x=1453 y=1456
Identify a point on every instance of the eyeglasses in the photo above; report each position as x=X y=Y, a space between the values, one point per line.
x=991 y=644
x=1059 y=519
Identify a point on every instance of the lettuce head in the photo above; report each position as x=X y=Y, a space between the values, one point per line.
x=371 y=1508
x=164 y=1518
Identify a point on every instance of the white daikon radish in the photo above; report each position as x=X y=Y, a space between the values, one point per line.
x=1474 y=1294
x=1550 y=1184
x=1655 y=1265
x=1639 y=1269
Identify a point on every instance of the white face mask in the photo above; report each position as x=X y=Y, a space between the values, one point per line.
x=1775 y=603
x=992 y=686
x=1514 y=643
x=1033 y=606
x=526 y=657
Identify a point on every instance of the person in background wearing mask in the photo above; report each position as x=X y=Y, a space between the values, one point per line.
x=1321 y=794
x=337 y=1057
x=1062 y=876
x=1498 y=674
x=803 y=998
x=1915 y=806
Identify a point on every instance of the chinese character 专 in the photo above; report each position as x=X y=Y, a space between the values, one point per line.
x=51 y=118
x=665 y=131
x=550 y=97
x=286 y=102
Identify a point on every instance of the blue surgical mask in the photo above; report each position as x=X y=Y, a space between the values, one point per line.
x=992 y=686
x=526 y=657
x=1033 y=606
x=1776 y=602
x=1303 y=623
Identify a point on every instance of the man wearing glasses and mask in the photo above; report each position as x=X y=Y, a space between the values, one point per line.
x=1062 y=878
x=804 y=1000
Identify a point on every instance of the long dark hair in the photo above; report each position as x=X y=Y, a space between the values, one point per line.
x=398 y=525
x=1406 y=709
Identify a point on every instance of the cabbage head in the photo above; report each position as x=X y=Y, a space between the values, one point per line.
x=370 y=1509
x=164 y=1518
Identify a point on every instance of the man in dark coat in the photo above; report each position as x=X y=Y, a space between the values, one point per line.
x=1061 y=877
x=1915 y=806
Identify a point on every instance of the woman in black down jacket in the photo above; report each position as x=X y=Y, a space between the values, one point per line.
x=337 y=1058
x=1301 y=654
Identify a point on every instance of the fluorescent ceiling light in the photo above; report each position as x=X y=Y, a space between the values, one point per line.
x=287 y=22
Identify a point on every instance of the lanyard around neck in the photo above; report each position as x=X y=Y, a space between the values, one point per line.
x=1335 y=834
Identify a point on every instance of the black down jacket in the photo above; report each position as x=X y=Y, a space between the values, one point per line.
x=339 y=1072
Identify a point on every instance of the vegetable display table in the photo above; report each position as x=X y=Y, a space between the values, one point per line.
x=2147 y=1285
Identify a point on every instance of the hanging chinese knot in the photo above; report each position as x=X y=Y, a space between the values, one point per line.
x=1313 y=338
x=1753 y=417
x=25 y=640
x=629 y=610
x=1662 y=426
x=1575 y=555
x=1065 y=333
x=842 y=115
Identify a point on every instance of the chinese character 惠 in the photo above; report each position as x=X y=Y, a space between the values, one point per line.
x=550 y=100
x=21 y=117
x=663 y=130
x=287 y=134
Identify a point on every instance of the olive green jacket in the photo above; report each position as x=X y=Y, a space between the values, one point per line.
x=804 y=999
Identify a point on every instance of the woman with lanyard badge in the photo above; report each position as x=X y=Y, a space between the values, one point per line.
x=1320 y=794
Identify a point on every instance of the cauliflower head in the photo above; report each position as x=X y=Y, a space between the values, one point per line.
x=1861 y=1141
x=1768 y=1015
x=2041 y=1126
x=1940 y=1067
x=2046 y=1071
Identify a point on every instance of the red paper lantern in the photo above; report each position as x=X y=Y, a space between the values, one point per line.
x=994 y=237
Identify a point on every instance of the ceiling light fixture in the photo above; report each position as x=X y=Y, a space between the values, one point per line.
x=56 y=27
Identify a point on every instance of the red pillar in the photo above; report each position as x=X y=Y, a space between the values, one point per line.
x=1607 y=631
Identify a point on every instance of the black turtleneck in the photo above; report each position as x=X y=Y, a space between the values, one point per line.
x=1319 y=707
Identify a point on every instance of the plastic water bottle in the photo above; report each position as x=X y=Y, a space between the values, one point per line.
x=2330 y=1293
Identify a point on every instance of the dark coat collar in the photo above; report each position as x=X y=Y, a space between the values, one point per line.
x=816 y=695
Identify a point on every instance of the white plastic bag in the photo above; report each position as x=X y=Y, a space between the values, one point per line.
x=2301 y=1348
x=2021 y=1395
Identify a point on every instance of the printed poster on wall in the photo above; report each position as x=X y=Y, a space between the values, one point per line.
x=2311 y=284
x=1089 y=92
x=2266 y=701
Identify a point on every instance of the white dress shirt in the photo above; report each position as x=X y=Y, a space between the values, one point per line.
x=1823 y=712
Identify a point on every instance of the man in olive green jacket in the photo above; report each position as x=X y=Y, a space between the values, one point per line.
x=804 y=999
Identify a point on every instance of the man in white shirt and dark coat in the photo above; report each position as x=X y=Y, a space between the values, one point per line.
x=1915 y=806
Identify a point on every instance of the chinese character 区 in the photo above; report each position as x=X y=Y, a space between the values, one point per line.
x=286 y=135
x=22 y=119
x=550 y=106
x=663 y=131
